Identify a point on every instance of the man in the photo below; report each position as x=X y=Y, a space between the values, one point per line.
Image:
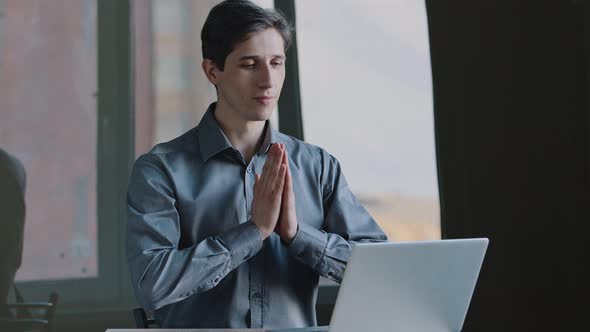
x=232 y=223
x=12 y=223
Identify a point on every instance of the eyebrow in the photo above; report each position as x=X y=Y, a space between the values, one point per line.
x=254 y=57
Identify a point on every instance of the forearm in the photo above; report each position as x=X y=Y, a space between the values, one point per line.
x=163 y=275
x=327 y=253
x=162 y=270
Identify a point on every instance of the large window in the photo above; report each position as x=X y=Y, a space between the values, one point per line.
x=48 y=120
x=367 y=99
x=64 y=113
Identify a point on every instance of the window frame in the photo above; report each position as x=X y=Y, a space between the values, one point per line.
x=290 y=114
x=115 y=145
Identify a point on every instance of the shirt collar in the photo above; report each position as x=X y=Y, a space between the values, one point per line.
x=212 y=139
x=269 y=138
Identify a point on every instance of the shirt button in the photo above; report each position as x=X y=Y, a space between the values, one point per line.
x=249 y=170
x=256 y=295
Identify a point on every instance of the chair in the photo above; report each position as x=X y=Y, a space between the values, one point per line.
x=31 y=316
x=143 y=319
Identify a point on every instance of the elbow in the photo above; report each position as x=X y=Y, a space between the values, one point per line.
x=153 y=294
x=149 y=293
x=151 y=297
x=146 y=295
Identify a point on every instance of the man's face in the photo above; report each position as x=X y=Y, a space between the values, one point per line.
x=251 y=81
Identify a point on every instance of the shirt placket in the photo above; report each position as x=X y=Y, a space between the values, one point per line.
x=256 y=263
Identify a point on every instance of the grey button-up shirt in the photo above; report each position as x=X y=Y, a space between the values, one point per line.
x=196 y=257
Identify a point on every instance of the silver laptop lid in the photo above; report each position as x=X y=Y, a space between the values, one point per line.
x=421 y=286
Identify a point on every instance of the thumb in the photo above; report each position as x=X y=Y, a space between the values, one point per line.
x=288 y=179
x=287 y=186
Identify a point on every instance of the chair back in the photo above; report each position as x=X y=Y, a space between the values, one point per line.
x=30 y=316
x=143 y=319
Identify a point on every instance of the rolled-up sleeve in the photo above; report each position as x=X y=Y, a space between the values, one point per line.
x=162 y=273
x=346 y=222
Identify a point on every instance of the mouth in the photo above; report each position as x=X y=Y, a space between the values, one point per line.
x=264 y=100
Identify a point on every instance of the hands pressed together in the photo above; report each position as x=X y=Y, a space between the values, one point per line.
x=273 y=205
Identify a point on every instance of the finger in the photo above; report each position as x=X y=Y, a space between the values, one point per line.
x=274 y=172
x=268 y=160
x=280 y=179
x=286 y=188
x=288 y=178
x=266 y=170
x=273 y=156
x=285 y=159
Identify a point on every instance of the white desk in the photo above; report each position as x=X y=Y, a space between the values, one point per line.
x=306 y=329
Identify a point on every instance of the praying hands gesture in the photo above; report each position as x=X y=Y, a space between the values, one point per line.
x=273 y=206
x=287 y=224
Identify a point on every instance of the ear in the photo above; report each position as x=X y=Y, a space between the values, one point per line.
x=211 y=71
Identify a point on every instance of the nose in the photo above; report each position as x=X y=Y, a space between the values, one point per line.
x=264 y=78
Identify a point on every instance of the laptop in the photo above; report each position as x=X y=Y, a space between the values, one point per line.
x=423 y=286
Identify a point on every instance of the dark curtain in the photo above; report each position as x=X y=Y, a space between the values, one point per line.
x=511 y=102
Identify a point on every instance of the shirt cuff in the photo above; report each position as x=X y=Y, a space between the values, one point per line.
x=308 y=245
x=243 y=242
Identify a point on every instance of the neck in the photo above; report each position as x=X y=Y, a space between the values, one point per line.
x=244 y=135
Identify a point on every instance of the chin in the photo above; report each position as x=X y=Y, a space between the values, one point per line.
x=260 y=113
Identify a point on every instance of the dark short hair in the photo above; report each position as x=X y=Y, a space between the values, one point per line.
x=233 y=21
